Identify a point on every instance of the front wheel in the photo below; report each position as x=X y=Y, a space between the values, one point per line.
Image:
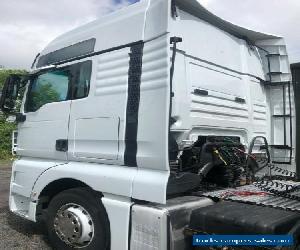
x=77 y=220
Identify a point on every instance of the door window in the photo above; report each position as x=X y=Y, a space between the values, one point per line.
x=71 y=82
x=47 y=88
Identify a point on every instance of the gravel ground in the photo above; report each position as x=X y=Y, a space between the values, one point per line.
x=16 y=233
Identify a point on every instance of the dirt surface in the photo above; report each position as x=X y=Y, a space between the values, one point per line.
x=16 y=233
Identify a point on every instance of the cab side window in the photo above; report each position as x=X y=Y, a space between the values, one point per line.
x=46 y=88
x=81 y=84
x=68 y=83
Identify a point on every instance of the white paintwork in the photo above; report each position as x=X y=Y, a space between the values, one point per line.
x=113 y=30
x=121 y=27
x=98 y=133
x=208 y=58
x=150 y=185
x=38 y=134
x=280 y=63
x=95 y=142
x=25 y=173
x=157 y=18
x=220 y=65
x=153 y=118
x=118 y=211
x=110 y=179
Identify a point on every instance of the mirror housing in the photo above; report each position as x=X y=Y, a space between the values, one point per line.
x=10 y=93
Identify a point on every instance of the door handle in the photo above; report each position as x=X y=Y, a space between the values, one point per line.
x=61 y=145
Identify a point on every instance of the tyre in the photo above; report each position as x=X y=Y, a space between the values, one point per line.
x=77 y=219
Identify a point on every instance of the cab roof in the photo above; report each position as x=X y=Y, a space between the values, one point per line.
x=144 y=21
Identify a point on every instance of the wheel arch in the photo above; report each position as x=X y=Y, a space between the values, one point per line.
x=57 y=186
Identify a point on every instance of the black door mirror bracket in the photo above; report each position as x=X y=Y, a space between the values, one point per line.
x=10 y=93
x=20 y=117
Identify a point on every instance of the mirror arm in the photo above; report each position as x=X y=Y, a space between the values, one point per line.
x=20 y=117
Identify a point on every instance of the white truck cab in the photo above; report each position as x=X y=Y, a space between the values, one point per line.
x=126 y=119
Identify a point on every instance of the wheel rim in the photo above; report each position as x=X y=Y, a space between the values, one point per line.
x=74 y=225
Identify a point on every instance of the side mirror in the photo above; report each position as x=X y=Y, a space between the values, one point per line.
x=10 y=93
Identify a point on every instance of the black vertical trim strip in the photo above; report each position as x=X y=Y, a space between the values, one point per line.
x=284 y=113
x=133 y=102
x=119 y=126
x=291 y=122
x=168 y=232
x=173 y=9
x=130 y=227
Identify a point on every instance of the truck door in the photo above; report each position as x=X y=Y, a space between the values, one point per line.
x=44 y=130
x=97 y=114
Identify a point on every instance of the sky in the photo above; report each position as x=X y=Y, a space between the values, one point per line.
x=27 y=26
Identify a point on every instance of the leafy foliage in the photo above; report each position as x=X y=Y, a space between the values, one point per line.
x=4 y=73
x=6 y=128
